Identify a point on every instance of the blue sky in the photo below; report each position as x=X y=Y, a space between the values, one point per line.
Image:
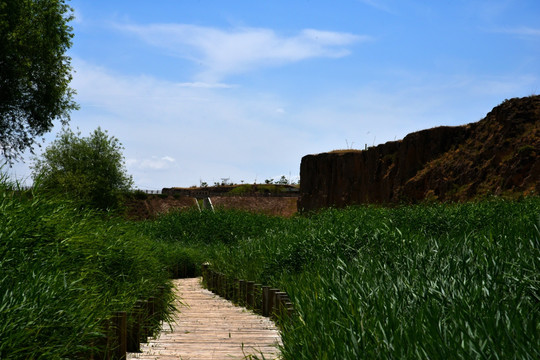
x=204 y=90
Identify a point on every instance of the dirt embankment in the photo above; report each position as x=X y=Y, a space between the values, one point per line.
x=280 y=206
x=154 y=205
x=497 y=155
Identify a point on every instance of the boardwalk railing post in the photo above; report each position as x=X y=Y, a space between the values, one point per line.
x=241 y=292
x=149 y=318
x=144 y=326
x=279 y=303
x=271 y=299
x=211 y=280
x=228 y=289
x=250 y=296
x=236 y=291
x=205 y=273
x=134 y=330
x=223 y=285
x=119 y=334
x=160 y=301
x=267 y=301
x=214 y=280
x=217 y=288
x=265 y=296
x=257 y=298
x=152 y=312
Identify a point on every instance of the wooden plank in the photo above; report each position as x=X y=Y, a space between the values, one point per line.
x=210 y=327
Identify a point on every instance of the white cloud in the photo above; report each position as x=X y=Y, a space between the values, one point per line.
x=239 y=50
x=152 y=163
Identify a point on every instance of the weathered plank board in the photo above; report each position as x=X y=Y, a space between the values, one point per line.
x=209 y=327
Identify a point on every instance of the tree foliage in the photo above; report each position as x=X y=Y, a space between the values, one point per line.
x=87 y=169
x=34 y=71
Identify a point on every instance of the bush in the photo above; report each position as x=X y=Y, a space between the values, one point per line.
x=89 y=170
x=140 y=195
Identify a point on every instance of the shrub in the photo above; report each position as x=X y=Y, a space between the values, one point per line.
x=89 y=170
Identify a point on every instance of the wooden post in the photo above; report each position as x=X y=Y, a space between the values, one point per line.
x=223 y=285
x=241 y=292
x=289 y=308
x=120 y=335
x=144 y=324
x=278 y=305
x=205 y=273
x=151 y=307
x=150 y=313
x=134 y=330
x=271 y=299
x=228 y=289
x=214 y=281
x=265 y=296
x=160 y=301
x=236 y=294
x=257 y=298
x=217 y=286
x=210 y=280
x=250 y=296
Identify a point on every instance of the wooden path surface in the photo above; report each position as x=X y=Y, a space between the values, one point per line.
x=210 y=327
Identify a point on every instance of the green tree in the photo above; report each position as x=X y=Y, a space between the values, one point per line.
x=87 y=169
x=34 y=71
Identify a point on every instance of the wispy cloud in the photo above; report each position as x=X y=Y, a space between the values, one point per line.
x=240 y=50
x=378 y=4
x=205 y=85
x=153 y=163
x=520 y=31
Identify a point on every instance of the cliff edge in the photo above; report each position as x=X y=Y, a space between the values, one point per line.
x=497 y=155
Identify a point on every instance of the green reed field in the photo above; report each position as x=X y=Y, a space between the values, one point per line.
x=431 y=281
x=63 y=270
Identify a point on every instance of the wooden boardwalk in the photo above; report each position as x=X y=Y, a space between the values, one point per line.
x=210 y=327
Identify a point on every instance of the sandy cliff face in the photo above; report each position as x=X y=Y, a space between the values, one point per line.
x=497 y=155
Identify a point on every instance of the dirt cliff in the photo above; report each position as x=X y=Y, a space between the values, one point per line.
x=497 y=155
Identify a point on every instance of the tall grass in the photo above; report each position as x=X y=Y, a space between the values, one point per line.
x=62 y=271
x=437 y=281
x=459 y=281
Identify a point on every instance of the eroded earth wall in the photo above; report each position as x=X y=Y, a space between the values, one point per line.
x=497 y=155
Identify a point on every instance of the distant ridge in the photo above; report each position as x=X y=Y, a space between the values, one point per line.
x=497 y=155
